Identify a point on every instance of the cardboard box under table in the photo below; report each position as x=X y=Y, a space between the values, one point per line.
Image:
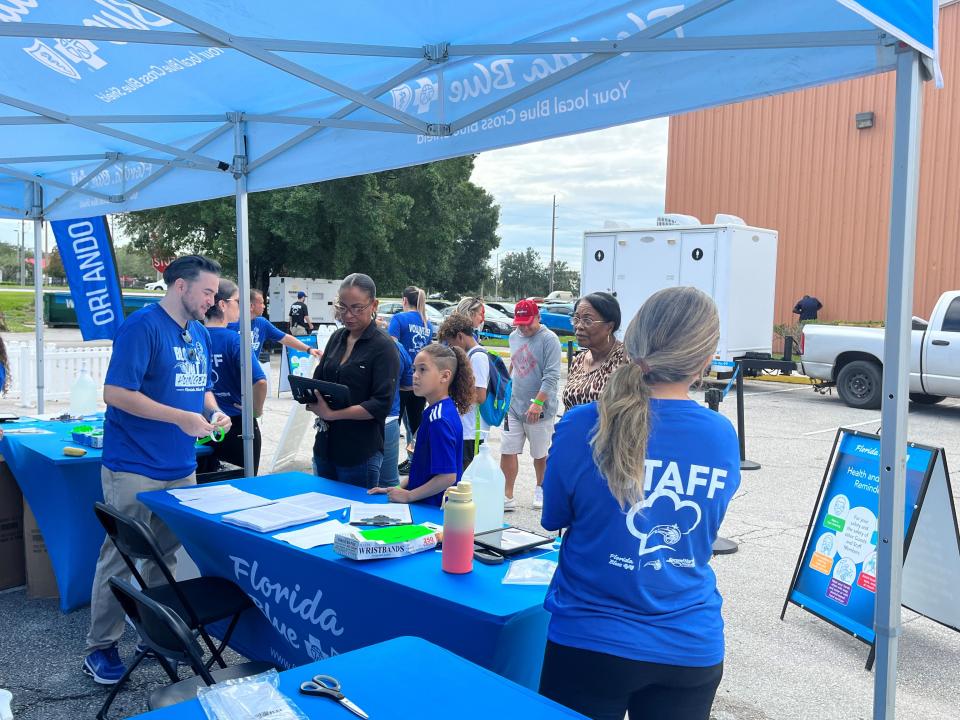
x=60 y=491
x=403 y=678
x=315 y=603
x=11 y=530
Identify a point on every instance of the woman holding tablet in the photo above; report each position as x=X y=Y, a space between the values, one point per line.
x=349 y=442
x=641 y=479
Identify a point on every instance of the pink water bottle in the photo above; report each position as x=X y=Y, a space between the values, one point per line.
x=458 y=515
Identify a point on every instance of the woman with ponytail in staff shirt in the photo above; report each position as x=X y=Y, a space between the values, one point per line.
x=412 y=329
x=641 y=479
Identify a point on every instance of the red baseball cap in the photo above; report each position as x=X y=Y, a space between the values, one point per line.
x=524 y=312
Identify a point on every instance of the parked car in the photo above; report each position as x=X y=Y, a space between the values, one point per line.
x=852 y=357
x=390 y=307
x=494 y=321
x=556 y=316
x=157 y=285
x=505 y=307
x=560 y=296
x=438 y=305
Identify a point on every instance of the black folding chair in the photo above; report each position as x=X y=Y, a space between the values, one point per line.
x=167 y=636
x=199 y=601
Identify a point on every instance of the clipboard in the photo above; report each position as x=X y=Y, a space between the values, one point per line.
x=336 y=395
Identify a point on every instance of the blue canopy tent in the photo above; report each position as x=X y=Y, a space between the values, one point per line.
x=114 y=105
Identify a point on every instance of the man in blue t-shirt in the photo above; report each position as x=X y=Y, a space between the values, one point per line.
x=262 y=330
x=159 y=401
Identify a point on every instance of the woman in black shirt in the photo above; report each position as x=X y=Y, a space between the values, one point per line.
x=349 y=444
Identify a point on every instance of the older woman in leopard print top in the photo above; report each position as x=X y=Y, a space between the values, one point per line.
x=596 y=317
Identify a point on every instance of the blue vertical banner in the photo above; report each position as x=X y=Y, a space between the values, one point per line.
x=86 y=250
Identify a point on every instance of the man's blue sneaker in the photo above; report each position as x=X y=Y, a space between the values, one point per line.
x=104 y=666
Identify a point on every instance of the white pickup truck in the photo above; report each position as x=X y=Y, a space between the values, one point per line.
x=852 y=357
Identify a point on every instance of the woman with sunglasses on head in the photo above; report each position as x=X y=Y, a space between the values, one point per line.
x=349 y=442
x=473 y=308
x=225 y=350
x=596 y=317
x=641 y=479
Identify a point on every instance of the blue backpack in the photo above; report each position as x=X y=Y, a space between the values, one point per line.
x=499 y=388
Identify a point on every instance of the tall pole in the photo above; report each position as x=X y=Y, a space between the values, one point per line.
x=23 y=260
x=496 y=282
x=243 y=277
x=553 y=239
x=36 y=212
x=896 y=368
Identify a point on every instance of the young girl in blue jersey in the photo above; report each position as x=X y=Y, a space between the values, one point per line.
x=641 y=479
x=442 y=376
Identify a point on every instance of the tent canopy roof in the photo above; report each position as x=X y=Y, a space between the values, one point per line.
x=114 y=105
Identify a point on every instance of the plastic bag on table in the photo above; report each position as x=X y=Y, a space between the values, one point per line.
x=249 y=698
x=532 y=571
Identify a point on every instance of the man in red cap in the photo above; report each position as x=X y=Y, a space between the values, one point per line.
x=535 y=370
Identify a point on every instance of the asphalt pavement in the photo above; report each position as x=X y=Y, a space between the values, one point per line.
x=794 y=669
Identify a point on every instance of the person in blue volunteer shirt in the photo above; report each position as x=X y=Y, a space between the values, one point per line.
x=262 y=330
x=158 y=392
x=412 y=329
x=225 y=352
x=641 y=479
x=389 y=472
x=442 y=376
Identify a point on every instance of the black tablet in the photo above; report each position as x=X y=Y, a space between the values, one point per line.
x=336 y=395
x=510 y=540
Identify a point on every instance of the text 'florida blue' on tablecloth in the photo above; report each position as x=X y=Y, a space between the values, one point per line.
x=86 y=250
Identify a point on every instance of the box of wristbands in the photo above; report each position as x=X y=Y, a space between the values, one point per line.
x=388 y=542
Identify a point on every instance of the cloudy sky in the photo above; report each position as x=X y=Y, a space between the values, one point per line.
x=617 y=174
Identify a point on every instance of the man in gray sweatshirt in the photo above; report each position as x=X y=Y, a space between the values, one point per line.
x=535 y=369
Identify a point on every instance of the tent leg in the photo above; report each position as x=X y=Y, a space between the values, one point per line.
x=243 y=280
x=36 y=211
x=896 y=364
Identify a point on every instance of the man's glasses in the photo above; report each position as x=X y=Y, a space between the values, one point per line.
x=188 y=341
x=351 y=309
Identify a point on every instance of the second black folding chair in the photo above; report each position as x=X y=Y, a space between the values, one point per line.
x=199 y=601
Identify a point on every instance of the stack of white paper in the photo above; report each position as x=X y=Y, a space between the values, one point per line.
x=218 y=499
x=313 y=535
x=274 y=516
x=318 y=501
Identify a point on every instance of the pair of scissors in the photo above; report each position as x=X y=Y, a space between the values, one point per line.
x=329 y=687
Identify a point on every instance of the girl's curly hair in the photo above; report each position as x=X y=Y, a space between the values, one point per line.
x=461 y=388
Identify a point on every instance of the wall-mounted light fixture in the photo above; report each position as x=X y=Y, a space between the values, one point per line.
x=864 y=120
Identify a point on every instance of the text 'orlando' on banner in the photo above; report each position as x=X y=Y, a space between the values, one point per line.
x=86 y=250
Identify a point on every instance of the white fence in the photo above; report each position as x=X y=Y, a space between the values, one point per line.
x=61 y=365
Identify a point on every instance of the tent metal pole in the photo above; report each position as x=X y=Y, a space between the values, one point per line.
x=243 y=280
x=36 y=212
x=896 y=381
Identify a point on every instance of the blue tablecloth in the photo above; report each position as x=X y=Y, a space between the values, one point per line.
x=316 y=603
x=61 y=491
x=404 y=678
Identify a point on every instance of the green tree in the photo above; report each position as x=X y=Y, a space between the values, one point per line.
x=134 y=262
x=426 y=225
x=55 y=265
x=565 y=277
x=523 y=274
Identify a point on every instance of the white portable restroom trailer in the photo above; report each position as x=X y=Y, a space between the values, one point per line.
x=735 y=264
x=321 y=295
